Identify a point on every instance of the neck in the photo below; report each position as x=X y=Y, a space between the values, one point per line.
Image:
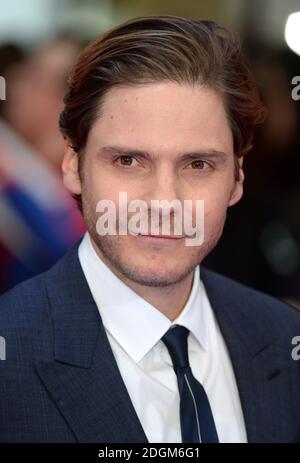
x=169 y=300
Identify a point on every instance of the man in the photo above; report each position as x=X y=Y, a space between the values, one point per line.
x=39 y=221
x=127 y=338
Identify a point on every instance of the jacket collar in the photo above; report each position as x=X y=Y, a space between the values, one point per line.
x=84 y=371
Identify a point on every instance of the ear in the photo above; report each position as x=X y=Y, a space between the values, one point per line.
x=70 y=170
x=237 y=191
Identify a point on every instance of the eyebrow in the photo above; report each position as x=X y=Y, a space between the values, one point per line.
x=109 y=151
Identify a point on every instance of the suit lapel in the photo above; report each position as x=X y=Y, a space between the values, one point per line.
x=258 y=362
x=83 y=378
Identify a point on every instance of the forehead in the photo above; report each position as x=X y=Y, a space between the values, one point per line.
x=163 y=116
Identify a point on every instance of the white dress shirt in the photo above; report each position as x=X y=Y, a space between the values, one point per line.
x=135 y=327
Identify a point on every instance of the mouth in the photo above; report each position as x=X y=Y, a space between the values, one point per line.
x=158 y=240
x=169 y=237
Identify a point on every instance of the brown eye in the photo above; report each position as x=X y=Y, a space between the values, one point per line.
x=198 y=164
x=126 y=160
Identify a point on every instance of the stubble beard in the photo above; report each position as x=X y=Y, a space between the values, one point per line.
x=110 y=251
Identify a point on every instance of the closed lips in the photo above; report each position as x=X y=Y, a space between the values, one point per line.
x=164 y=236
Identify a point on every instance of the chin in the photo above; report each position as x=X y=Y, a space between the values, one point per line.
x=153 y=273
x=155 y=279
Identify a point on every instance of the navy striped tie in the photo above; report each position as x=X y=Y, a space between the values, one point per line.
x=196 y=419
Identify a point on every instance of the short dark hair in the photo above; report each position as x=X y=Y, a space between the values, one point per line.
x=163 y=48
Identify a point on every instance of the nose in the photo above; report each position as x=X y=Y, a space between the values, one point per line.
x=163 y=194
x=164 y=183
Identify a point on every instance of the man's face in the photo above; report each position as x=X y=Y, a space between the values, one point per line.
x=164 y=121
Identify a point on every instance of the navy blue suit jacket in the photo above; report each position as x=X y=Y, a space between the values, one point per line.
x=60 y=381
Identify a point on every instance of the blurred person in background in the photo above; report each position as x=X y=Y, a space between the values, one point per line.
x=39 y=220
x=128 y=338
x=265 y=225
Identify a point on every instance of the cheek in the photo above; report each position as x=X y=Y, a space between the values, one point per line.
x=216 y=197
x=96 y=184
x=215 y=211
x=103 y=184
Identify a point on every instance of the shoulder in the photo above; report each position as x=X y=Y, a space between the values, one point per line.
x=29 y=298
x=259 y=305
x=26 y=315
x=23 y=299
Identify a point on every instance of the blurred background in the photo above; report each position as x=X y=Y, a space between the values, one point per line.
x=39 y=222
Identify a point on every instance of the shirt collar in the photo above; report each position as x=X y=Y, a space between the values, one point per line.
x=134 y=323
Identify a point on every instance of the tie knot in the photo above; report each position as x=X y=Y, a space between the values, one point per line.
x=176 y=341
